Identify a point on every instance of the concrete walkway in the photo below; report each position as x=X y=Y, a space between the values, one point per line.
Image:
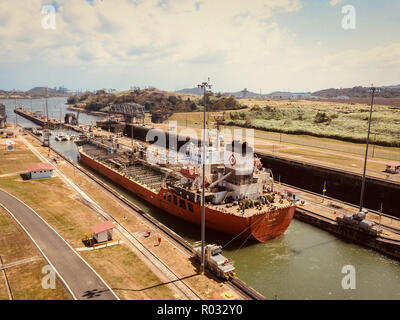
x=18 y=263
x=79 y=278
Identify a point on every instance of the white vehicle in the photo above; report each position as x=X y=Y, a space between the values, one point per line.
x=62 y=137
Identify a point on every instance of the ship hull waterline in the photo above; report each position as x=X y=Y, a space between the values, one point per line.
x=260 y=227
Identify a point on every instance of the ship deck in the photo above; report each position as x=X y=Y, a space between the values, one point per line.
x=141 y=174
x=153 y=180
x=249 y=212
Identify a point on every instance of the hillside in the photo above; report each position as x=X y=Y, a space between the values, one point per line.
x=358 y=92
x=152 y=99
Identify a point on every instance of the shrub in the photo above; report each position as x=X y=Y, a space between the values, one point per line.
x=321 y=117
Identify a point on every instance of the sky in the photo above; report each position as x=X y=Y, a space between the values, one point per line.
x=261 y=45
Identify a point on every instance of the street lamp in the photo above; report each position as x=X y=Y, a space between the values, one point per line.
x=371 y=90
x=204 y=86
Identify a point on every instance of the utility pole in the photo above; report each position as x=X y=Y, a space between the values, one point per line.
x=204 y=86
x=372 y=90
x=47 y=111
x=47 y=133
x=373 y=146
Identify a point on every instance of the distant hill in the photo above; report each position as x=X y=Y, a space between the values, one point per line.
x=37 y=92
x=40 y=91
x=238 y=94
x=358 y=92
x=392 y=87
x=191 y=91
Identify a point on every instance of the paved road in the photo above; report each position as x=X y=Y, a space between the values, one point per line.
x=83 y=282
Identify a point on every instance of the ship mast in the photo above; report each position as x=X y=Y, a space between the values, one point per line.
x=204 y=86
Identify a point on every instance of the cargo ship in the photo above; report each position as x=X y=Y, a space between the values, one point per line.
x=239 y=195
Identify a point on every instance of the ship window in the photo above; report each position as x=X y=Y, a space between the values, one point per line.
x=175 y=200
x=182 y=204
x=164 y=195
x=169 y=197
x=190 y=206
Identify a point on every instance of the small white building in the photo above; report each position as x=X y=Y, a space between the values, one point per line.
x=40 y=171
x=103 y=232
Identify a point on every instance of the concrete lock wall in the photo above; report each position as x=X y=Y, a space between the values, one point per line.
x=341 y=185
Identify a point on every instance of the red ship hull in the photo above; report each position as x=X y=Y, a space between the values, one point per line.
x=260 y=227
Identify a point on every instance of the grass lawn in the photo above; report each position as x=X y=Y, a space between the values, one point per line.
x=130 y=278
x=342 y=121
x=17 y=160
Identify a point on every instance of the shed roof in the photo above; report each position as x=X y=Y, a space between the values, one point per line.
x=291 y=190
x=393 y=164
x=108 y=225
x=40 y=166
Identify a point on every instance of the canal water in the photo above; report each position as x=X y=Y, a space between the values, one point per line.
x=56 y=106
x=305 y=263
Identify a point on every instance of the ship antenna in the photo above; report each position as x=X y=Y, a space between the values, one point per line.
x=204 y=86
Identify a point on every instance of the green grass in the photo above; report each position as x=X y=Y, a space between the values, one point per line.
x=347 y=122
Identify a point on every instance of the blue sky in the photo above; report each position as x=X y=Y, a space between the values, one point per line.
x=296 y=45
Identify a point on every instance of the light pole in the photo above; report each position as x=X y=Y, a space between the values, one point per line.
x=203 y=86
x=372 y=90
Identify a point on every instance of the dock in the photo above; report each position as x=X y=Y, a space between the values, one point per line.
x=50 y=123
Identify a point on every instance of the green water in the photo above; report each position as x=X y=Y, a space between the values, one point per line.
x=305 y=263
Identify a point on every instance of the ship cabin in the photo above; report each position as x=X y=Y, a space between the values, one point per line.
x=182 y=197
x=293 y=194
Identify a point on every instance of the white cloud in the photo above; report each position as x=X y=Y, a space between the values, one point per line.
x=335 y=2
x=169 y=45
x=168 y=31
